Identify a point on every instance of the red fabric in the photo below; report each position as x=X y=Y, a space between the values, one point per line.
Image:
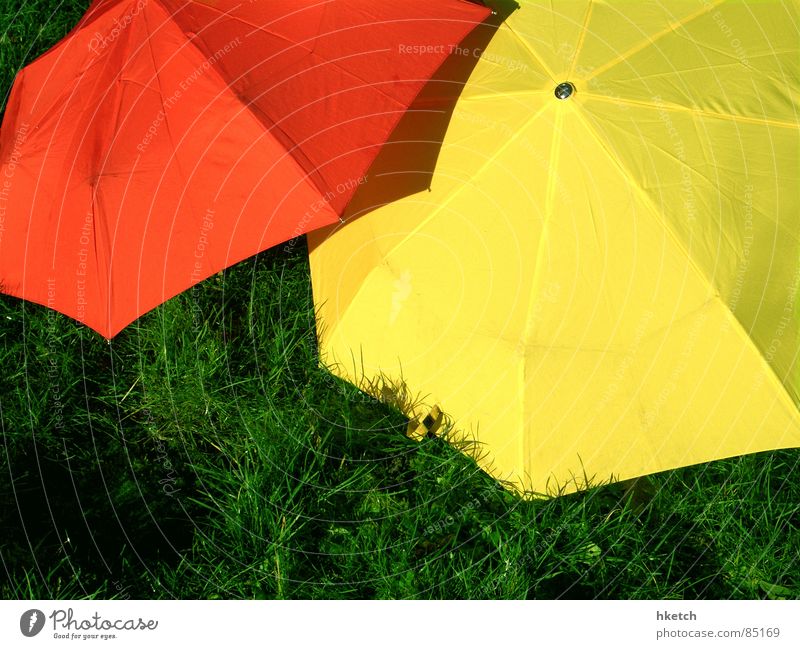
x=162 y=140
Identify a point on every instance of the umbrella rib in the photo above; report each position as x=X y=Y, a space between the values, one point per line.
x=552 y=180
x=784 y=395
x=508 y=93
x=444 y=203
x=645 y=199
x=676 y=239
x=581 y=38
x=255 y=27
x=314 y=174
x=695 y=111
x=462 y=186
x=253 y=107
x=538 y=269
x=313 y=39
x=650 y=40
x=103 y=283
x=174 y=158
x=527 y=46
x=695 y=172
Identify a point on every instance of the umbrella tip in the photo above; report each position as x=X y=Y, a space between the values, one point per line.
x=564 y=90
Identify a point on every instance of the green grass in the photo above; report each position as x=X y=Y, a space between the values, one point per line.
x=204 y=454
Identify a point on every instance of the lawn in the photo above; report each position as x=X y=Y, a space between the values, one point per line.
x=203 y=453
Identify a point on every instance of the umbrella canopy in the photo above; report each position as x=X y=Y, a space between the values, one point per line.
x=162 y=141
x=602 y=282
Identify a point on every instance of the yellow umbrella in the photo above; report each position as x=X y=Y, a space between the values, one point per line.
x=602 y=281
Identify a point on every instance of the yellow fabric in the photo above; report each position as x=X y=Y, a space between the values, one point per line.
x=604 y=286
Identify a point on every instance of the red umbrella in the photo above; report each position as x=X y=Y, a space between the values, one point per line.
x=162 y=140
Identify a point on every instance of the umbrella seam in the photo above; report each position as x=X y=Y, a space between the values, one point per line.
x=650 y=40
x=403 y=106
x=695 y=111
x=307 y=176
x=538 y=271
x=581 y=39
x=785 y=397
x=676 y=239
